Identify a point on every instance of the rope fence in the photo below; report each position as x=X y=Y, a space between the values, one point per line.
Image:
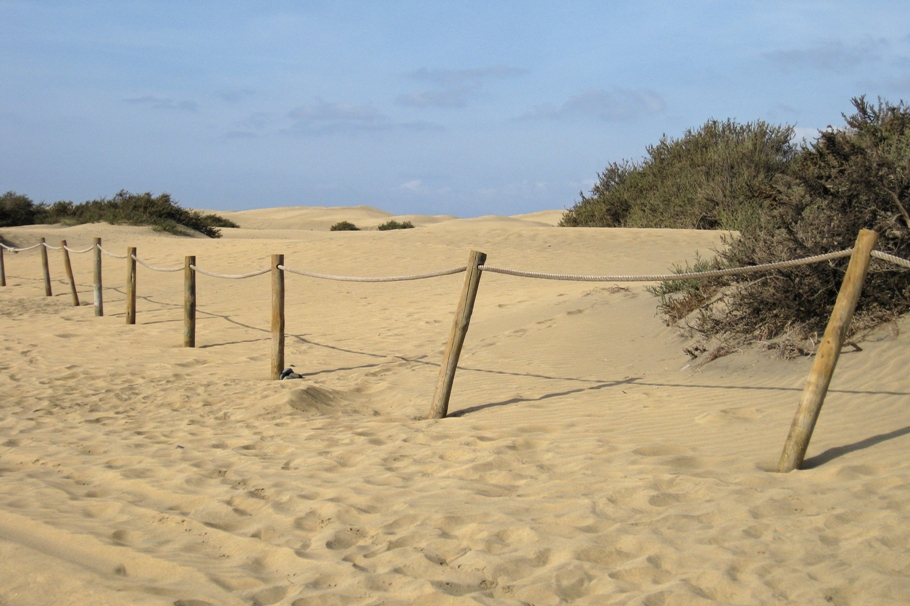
x=801 y=429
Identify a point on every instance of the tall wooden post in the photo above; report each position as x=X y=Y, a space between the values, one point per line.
x=130 y=285
x=277 y=317
x=96 y=275
x=457 y=335
x=45 y=269
x=2 y=269
x=69 y=272
x=189 y=302
x=810 y=405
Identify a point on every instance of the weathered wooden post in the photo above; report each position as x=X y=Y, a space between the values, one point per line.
x=69 y=272
x=277 y=317
x=810 y=405
x=96 y=275
x=2 y=269
x=457 y=335
x=189 y=302
x=131 y=285
x=45 y=269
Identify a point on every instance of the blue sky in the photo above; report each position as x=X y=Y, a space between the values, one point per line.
x=465 y=108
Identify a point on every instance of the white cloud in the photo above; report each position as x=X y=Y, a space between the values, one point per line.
x=457 y=86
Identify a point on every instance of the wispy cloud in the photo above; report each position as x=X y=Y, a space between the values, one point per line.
x=456 y=86
x=163 y=103
x=235 y=95
x=832 y=55
x=620 y=104
x=324 y=118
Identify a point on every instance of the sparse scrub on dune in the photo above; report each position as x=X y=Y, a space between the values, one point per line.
x=344 y=226
x=393 y=224
x=161 y=212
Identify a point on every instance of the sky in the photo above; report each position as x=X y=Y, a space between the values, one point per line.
x=465 y=108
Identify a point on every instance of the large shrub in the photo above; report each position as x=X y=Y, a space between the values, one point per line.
x=16 y=209
x=853 y=177
x=712 y=178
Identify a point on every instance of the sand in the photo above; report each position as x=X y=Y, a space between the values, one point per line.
x=585 y=460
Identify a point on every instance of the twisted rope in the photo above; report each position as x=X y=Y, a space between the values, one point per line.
x=891 y=258
x=46 y=245
x=17 y=250
x=79 y=252
x=667 y=277
x=258 y=272
x=435 y=274
x=152 y=267
x=110 y=254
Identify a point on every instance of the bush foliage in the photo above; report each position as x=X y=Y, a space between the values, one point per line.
x=393 y=224
x=344 y=226
x=161 y=212
x=712 y=178
x=850 y=178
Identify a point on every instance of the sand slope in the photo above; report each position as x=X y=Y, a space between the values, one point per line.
x=582 y=462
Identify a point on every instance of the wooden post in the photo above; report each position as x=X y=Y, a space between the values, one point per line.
x=456 y=337
x=2 y=269
x=130 y=285
x=189 y=302
x=46 y=269
x=96 y=274
x=69 y=272
x=277 y=317
x=810 y=405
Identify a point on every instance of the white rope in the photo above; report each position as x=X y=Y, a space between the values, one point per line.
x=79 y=252
x=16 y=250
x=667 y=277
x=258 y=272
x=153 y=268
x=110 y=254
x=893 y=259
x=435 y=274
x=46 y=245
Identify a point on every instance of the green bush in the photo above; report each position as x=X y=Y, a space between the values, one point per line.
x=161 y=212
x=850 y=178
x=16 y=209
x=344 y=226
x=712 y=178
x=396 y=225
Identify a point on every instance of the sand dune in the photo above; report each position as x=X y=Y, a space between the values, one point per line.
x=583 y=461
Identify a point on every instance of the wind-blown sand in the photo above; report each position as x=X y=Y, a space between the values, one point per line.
x=583 y=463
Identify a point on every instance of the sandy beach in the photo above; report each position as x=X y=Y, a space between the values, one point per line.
x=584 y=461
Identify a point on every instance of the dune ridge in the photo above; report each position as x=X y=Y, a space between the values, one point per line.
x=584 y=460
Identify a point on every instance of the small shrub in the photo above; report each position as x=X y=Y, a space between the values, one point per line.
x=396 y=225
x=344 y=226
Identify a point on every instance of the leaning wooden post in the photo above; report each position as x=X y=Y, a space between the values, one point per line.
x=810 y=405
x=69 y=272
x=189 y=302
x=2 y=269
x=277 y=316
x=46 y=269
x=457 y=335
x=131 y=285
x=96 y=275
